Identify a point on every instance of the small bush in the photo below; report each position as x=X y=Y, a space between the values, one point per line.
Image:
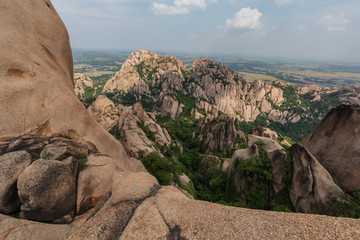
x=82 y=159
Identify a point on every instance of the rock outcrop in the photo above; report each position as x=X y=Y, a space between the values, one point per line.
x=103 y=110
x=82 y=82
x=47 y=189
x=312 y=188
x=94 y=182
x=11 y=166
x=265 y=132
x=140 y=131
x=37 y=77
x=171 y=106
x=220 y=134
x=336 y=145
x=135 y=71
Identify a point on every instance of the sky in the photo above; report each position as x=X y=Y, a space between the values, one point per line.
x=298 y=29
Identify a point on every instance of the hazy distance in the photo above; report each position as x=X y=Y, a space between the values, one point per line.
x=298 y=29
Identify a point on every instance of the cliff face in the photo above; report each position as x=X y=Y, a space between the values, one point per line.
x=336 y=144
x=36 y=77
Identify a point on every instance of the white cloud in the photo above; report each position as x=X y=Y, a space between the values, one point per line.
x=180 y=6
x=163 y=9
x=334 y=22
x=246 y=18
x=283 y=2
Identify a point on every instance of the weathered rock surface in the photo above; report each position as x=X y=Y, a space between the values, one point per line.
x=133 y=72
x=94 y=182
x=82 y=82
x=336 y=145
x=171 y=106
x=136 y=126
x=15 y=229
x=265 y=132
x=189 y=219
x=55 y=151
x=220 y=133
x=47 y=189
x=11 y=166
x=37 y=77
x=103 y=110
x=312 y=188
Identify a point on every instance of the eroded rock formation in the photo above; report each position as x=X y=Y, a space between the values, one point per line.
x=312 y=189
x=336 y=145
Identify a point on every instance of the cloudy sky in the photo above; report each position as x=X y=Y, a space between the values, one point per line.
x=300 y=29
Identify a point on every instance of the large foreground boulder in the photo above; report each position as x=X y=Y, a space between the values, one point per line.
x=336 y=144
x=312 y=189
x=11 y=166
x=36 y=76
x=47 y=189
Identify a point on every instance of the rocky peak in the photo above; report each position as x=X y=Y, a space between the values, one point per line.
x=143 y=68
x=216 y=71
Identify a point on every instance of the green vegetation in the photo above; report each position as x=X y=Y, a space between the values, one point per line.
x=188 y=101
x=146 y=73
x=113 y=131
x=149 y=134
x=82 y=159
x=351 y=206
x=160 y=167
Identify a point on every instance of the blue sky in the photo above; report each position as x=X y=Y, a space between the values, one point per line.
x=300 y=29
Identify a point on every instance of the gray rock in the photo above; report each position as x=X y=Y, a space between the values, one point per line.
x=312 y=189
x=11 y=166
x=336 y=145
x=47 y=189
x=63 y=149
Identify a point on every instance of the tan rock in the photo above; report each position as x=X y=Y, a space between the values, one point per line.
x=171 y=106
x=265 y=132
x=37 y=78
x=138 y=62
x=136 y=140
x=94 y=182
x=103 y=110
x=82 y=82
x=15 y=229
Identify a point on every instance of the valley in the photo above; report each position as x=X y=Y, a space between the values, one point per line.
x=192 y=122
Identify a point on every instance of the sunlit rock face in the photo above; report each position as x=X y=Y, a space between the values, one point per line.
x=36 y=78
